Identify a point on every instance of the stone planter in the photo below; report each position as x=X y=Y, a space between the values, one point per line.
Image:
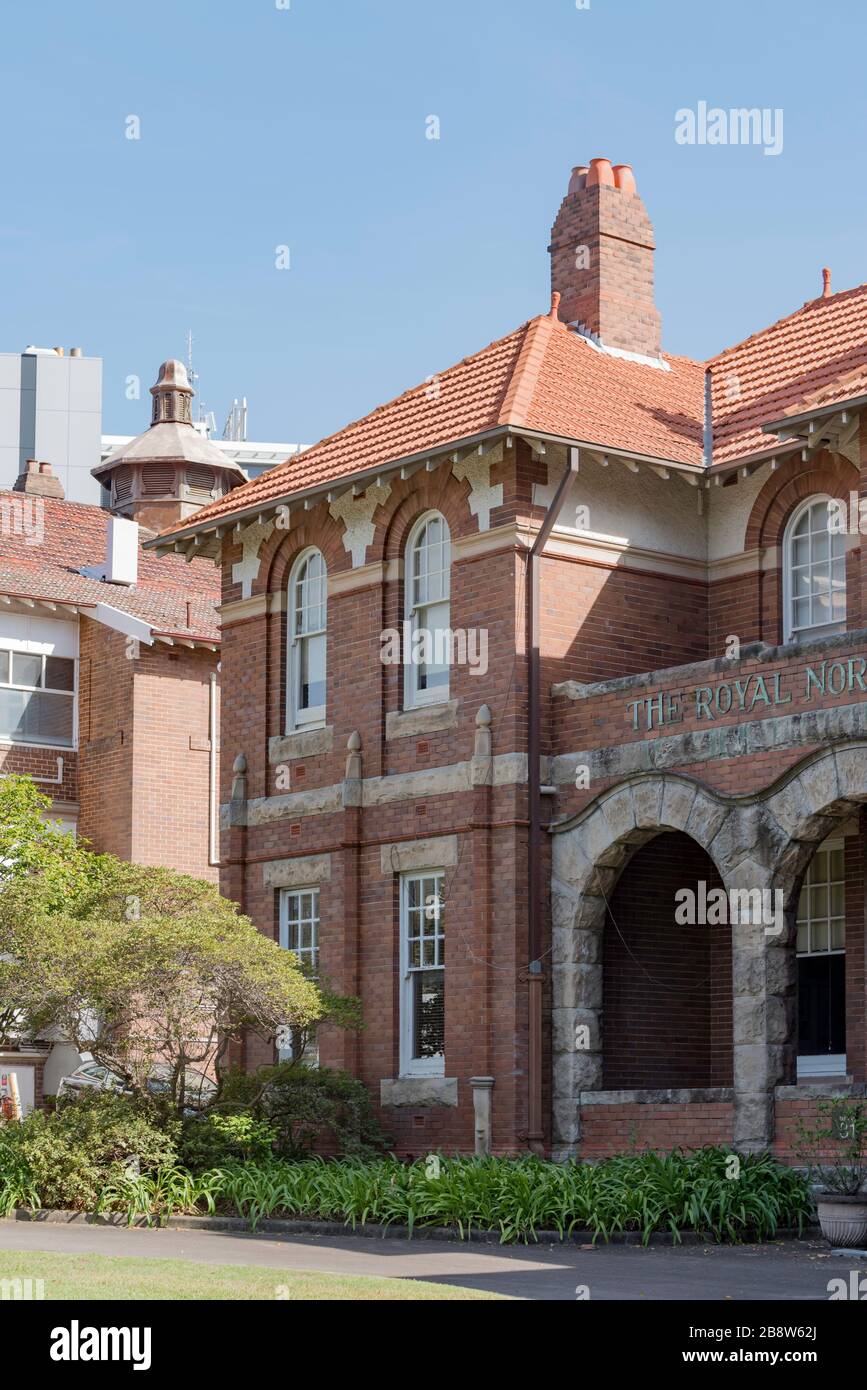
x=843 y=1220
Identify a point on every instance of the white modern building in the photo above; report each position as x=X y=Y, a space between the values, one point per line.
x=51 y=409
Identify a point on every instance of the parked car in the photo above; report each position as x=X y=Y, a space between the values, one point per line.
x=93 y=1076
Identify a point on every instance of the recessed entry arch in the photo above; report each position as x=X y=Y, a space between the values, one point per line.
x=760 y=846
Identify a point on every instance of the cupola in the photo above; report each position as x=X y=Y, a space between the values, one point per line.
x=171 y=470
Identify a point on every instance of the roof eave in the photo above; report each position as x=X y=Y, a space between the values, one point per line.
x=230 y=520
x=790 y=423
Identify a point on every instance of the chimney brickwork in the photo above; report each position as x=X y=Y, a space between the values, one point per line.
x=602 y=247
x=37 y=480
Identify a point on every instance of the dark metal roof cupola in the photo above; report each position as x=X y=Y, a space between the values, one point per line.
x=172 y=469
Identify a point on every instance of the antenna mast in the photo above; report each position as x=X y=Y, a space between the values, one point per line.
x=204 y=422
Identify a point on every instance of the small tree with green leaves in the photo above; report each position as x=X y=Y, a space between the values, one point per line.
x=33 y=850
x=139 y=966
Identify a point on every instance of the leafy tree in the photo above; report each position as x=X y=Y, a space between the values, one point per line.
x=139 y=966
x=32 y=847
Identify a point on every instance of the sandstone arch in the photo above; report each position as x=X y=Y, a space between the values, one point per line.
x=759 y=842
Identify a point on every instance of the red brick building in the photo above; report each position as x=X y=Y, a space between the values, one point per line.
x=544 y=726
x=109 y=686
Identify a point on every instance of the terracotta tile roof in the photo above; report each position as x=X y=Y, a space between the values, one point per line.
x=544 y=377
x=74 y=536
x=541 y=377
x=818 y=352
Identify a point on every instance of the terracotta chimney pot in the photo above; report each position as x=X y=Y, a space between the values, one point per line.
x=624 y=179
x=601 y=172
x=578 y=179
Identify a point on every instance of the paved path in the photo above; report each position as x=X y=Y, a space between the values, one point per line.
x=790 y=1271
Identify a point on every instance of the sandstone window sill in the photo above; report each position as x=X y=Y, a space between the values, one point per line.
x=305 y=743
x=418 y=1093
x=821 y=1088
x=427 y=719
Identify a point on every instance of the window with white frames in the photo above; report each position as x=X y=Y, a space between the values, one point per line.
x=422 y=966
x=428 y=612
x=299 y=933
x=814 y=573
x=37 y=699
x=821 y=947
x=308 y=618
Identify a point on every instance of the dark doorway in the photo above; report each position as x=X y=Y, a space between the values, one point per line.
x=667 y=986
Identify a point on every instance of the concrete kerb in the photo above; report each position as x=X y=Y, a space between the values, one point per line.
x=333 y=1229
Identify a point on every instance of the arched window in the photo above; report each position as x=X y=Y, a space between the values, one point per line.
x=814 y=573
x=307 y=622
x=428 y=645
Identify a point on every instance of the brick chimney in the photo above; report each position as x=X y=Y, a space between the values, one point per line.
x=602 y=259
x=37 y=480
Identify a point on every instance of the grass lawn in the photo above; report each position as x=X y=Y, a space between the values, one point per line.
x=105 y=1277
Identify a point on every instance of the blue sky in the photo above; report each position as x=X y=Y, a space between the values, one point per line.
x=263 y=127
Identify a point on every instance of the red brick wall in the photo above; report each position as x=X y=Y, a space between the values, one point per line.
x=486 y=893
x=41 y=765
x=105 y=722
x=613 y=1129
x=170 y=790
x=143 y=722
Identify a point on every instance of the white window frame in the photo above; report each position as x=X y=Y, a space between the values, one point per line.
x=413 y=697
x=790 y=632
x=314 y=716
x=19 y=650
x=825 y=1064
x=306 y=956
x=410 y=1065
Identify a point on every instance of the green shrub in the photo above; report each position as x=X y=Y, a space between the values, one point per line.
x=309 y=1105
x=66 y=1159
x=305 y=1107
x=520 y=1197
x=216 y=1139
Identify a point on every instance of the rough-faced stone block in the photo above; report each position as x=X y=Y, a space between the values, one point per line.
x=297 y=873
x=619 y=812
x=418 y=1092
x=307 y=743
x=430 y=719
x=852 y=773
x=705 y=819
x=677 y=803
x=647 y=802
x=440 y=852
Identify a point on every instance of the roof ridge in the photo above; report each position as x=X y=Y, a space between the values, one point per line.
x=786 y=318
x=518 y=395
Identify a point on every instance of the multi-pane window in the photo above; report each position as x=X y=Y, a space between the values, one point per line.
x=299 y=933
x=822 y=904
x=423 y=972
x=308 y=618
x=821 y=944
x=815 y=573
x=37 y=698
x=429 y=613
